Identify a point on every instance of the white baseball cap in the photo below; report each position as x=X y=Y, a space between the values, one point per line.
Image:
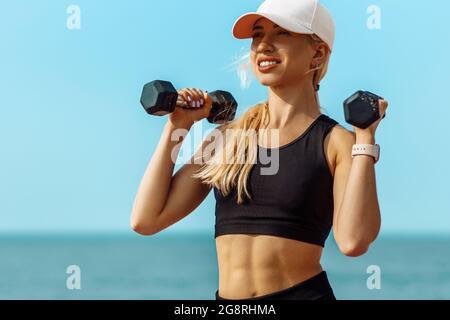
x=299 y=16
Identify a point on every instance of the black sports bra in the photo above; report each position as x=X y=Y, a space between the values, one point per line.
x=296 y=202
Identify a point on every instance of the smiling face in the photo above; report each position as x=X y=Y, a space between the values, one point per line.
x=296 y=52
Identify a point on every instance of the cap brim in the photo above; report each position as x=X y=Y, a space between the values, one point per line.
x=243 y=27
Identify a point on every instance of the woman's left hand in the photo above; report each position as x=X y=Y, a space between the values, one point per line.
x=369 y=132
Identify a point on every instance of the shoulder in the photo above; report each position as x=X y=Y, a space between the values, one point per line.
x=338 y=143
x=341 y=141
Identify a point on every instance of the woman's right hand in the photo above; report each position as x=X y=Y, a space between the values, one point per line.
x=192 y=105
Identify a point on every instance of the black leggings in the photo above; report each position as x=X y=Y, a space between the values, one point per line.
x=315 y=288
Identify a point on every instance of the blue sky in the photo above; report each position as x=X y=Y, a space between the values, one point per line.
x=75 y=140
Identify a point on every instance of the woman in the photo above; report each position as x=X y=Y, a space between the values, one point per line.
x=271 y=228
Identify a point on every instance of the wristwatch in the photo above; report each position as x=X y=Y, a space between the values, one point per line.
x=366 y=149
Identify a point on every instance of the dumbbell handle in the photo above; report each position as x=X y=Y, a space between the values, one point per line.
x=181 y=103
x=377 y=98
x=214 y=113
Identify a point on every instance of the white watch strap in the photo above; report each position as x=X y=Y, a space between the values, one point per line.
x=366 y=149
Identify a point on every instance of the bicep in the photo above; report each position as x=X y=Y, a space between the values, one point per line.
x=343 y=142
x=186 y=192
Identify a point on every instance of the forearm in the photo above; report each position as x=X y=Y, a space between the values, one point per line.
x=155 y=184
x=359 y=217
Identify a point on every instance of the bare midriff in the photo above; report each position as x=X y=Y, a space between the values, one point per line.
x=255 y=265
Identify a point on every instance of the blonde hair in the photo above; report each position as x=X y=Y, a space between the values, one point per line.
x=232 y=173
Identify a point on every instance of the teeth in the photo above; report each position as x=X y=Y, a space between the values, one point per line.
x=267 y=63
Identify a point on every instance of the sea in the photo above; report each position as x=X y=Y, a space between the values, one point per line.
x=183 y=266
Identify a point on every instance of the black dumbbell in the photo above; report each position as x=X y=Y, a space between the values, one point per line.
x=159 y=98
x=361 y=109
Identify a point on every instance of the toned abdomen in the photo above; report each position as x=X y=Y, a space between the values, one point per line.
x=254 y=265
